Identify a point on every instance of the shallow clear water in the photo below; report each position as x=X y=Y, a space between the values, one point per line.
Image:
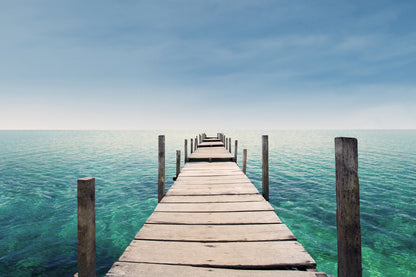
x=39 y=170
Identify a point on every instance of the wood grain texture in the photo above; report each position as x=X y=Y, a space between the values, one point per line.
x=86 y=227
x=212 y=198
x=161 y=171
x=241 y=218
x=261 y=255
x=265 y=167
x=126 y=269
x=215 y=233
x=214 y=207
x=348 y=207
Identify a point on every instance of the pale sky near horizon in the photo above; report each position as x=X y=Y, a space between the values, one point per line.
x=207 y=64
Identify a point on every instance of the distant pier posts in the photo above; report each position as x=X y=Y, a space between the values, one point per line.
x=186 y=151
x=161 y=175
x=86 y=227
x=235 y=150
x=348 y=207
x=265 y=167
x=244 y=160
x=229 y=144
x=192 y=146
x=178 y=162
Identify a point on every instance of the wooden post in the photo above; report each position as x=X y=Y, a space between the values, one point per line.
x=86 y=227
x=161 y=179
x=192 y=146
x=200 y=138
x=226 y=143
x=196 y=142
x=229 y=144
x=348 y=207
x=178 y=162
x=244 y=160
x=265 y=167
x=235 y=150
x=186 y=151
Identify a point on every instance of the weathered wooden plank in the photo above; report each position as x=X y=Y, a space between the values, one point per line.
x=211 y=190
x=212 y=164
x=262 y=255
x=212 y=198
x=215 y=233
x=268 y=217
x=211 y=152
x=234 y=186
x=211 y=144
x=215 y=150
x=215 y=168
x=207 y=156
x=210 y=173
x=211 y=139
x=220 y=181
x=204 y=179
x=214 y=207
x=126 y=269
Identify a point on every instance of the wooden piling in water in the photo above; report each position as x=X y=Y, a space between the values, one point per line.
x=192 y=146
x=86 y=227
x=161 y=171
x=186 y=152
x=226 y=144
x=196 y=143
x=348 y=207
x=178 y=162
x=235 y=150
x=229 y=144
x=265 y=167
x=244 y=160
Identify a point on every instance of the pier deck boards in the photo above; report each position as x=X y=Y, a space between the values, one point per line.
x=211 y=154
x=214 y=222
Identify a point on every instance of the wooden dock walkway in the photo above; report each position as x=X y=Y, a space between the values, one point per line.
x=214 y=222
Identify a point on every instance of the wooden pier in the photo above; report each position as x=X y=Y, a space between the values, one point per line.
x=214 y=222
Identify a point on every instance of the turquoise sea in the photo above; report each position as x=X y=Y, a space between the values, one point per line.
x=38 y=204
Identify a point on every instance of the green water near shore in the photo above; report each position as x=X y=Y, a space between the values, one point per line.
x=39 y=169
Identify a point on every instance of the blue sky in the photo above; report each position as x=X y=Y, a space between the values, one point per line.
x=207 y=64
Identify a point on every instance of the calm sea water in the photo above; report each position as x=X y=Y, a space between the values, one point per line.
x=39 y=170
